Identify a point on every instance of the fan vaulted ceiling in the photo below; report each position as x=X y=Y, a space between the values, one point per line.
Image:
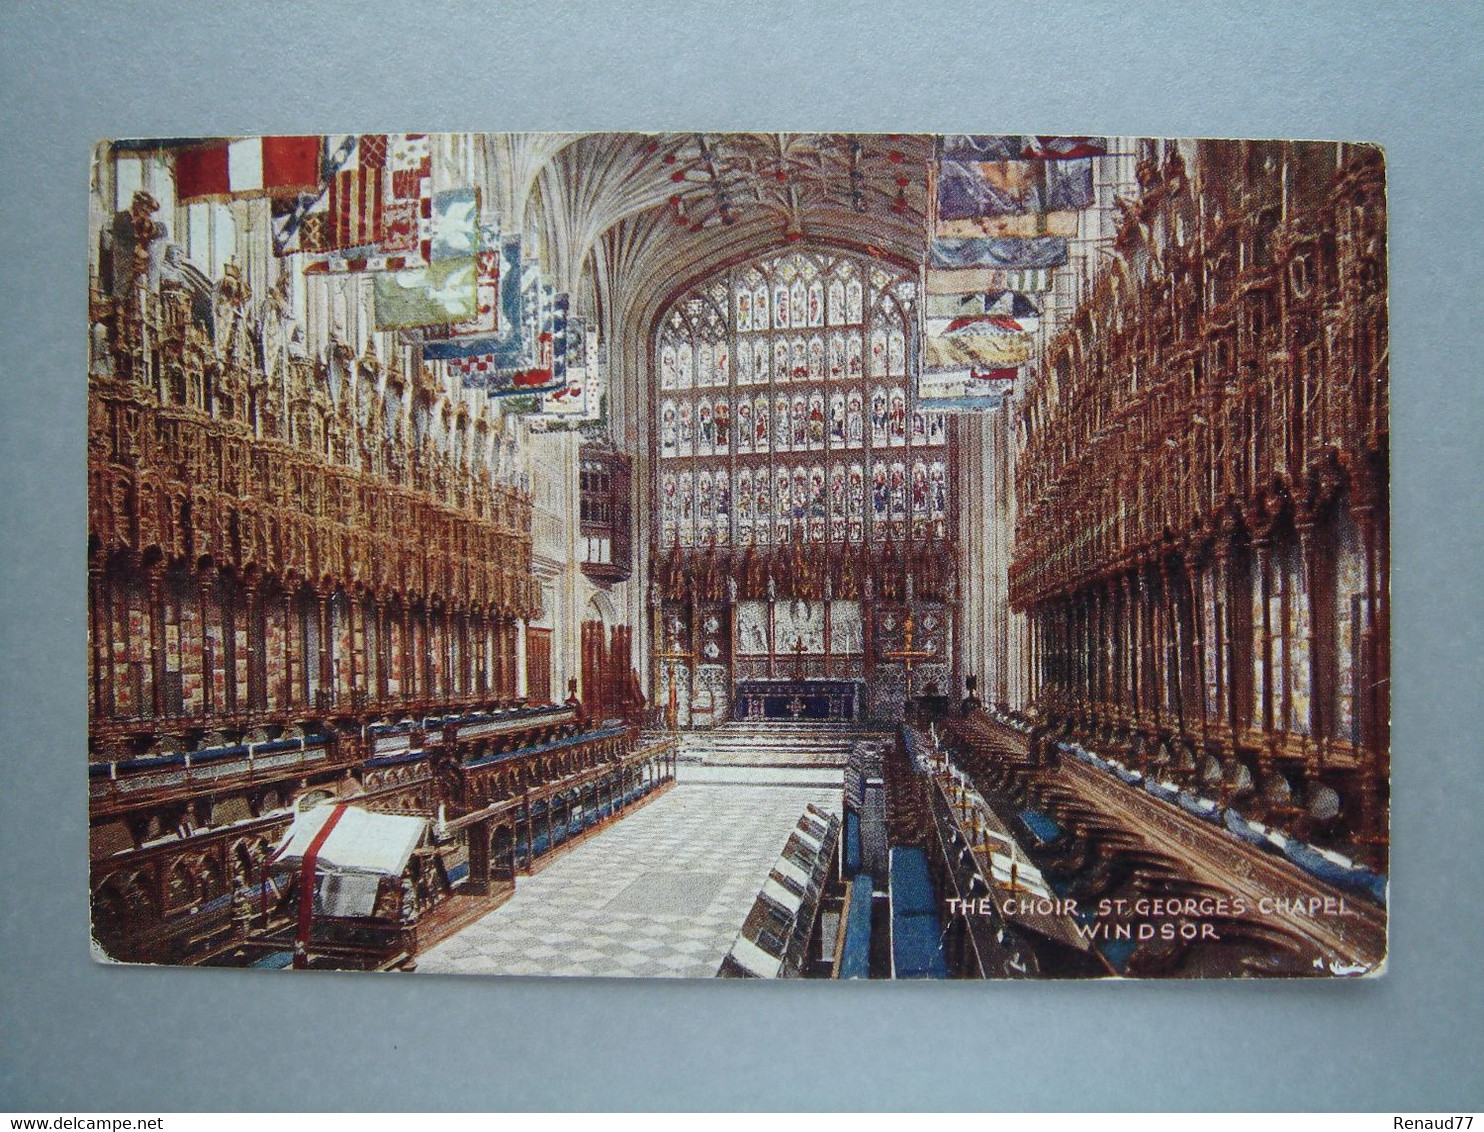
x=653 y=212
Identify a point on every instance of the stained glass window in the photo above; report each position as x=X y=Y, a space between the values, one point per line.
x=785 y=411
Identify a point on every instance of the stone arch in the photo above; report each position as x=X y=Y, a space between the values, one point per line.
x=600 y=608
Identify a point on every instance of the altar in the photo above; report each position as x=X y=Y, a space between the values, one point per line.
x=799 y=701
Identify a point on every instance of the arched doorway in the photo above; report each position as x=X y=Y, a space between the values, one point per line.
x=609 y=685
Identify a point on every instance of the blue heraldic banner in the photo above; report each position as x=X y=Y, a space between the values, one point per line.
x=508 y=345
x=1006 y=253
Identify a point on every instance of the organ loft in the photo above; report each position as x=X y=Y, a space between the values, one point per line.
x=740 y=555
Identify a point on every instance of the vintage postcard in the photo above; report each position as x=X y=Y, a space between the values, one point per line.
x=828 y=556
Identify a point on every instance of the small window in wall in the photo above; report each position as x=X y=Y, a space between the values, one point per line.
x=598 y=551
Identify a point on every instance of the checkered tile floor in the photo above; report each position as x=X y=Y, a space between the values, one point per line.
x=660 y=893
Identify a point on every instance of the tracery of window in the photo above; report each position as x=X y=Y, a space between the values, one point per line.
x=785 y=412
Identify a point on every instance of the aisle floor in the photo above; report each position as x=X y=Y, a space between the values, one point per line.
x=661 y=893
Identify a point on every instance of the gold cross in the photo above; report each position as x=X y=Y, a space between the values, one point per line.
x=907 y=654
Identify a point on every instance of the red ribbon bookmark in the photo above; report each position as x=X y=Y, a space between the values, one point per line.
x=306 y=886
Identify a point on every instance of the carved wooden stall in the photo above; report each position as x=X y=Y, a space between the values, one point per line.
x=294 y=566
x=515 y=806
x=1201 y=543
x=500 y=793
x=1159 y=873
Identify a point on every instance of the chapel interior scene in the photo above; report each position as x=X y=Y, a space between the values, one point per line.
x=739 y=555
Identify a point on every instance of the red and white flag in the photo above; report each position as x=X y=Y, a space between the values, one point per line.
x=248 y=167
x=377 y=213
x=356 y=200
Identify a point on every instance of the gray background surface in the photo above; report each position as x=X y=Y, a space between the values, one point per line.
x=76 y=1037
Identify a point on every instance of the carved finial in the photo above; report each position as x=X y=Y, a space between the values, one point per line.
x=146 y=229
x=369 y=363
x=233 y=288
x=142 y=208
